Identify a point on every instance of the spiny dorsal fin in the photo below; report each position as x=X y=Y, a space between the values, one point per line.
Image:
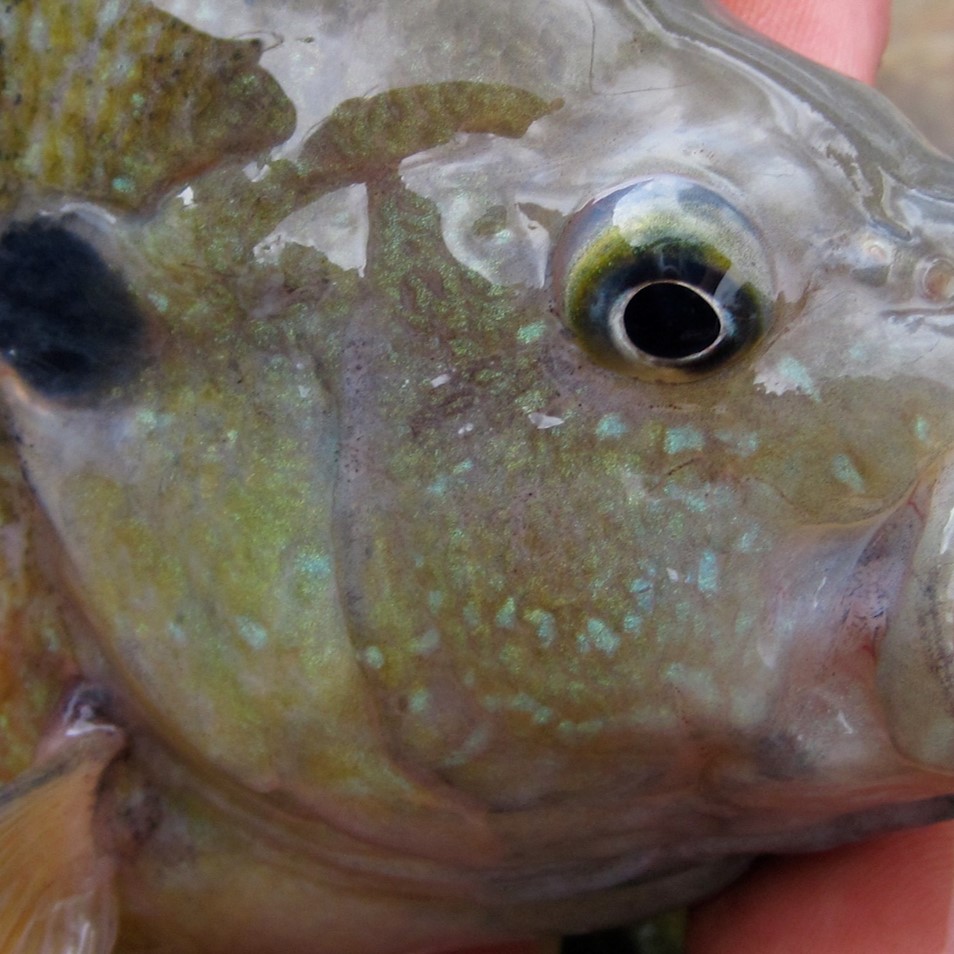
x=56 y=892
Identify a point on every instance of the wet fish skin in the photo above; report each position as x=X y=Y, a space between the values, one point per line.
x=434 y=613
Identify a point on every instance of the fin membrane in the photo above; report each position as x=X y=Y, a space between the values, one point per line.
x=56 y=891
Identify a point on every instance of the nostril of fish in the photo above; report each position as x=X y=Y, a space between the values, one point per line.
x=936 y=280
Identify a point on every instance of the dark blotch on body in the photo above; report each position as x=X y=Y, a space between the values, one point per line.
x=68 y=325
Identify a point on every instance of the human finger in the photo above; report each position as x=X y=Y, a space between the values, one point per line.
x=892 y=895
x=846 y=35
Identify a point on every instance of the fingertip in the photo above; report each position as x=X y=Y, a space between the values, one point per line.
x=845 y=35
x=891 y=894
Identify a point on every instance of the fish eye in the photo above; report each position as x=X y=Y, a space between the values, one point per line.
x=663 y=280
x=68 y=324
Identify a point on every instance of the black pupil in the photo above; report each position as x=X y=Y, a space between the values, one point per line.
x=669 y=320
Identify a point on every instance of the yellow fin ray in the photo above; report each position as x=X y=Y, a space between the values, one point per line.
x=56 y=892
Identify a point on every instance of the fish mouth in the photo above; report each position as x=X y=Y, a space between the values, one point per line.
x=915 y=651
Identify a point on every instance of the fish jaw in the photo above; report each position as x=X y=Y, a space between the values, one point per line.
x=916 y=654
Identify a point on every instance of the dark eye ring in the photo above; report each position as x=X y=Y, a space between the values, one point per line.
x=663 y=280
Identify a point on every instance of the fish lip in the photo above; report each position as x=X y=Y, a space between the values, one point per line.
x=933 y=499
x=914 y=653
x=870 y=587
x=890 y=554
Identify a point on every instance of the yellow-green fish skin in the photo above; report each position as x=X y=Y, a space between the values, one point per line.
x=427 y=627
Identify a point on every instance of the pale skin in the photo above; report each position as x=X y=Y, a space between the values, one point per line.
x=891 y=895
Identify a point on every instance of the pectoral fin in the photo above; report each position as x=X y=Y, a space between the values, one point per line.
x=56 y=892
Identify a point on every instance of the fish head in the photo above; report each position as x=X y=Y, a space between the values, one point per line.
x=539 y=466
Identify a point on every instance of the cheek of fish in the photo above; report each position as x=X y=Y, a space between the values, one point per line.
x=455 y=493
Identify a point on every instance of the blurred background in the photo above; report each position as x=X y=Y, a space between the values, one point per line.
x=918 y=69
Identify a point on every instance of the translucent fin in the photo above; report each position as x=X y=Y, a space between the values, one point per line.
x=56 y=892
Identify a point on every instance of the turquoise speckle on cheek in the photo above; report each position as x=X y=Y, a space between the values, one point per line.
x=745 y=445
x=524 y=702
x=373 y=657
x=791 y=374
x=589 y=727
x=472 y=747
x=632 y=623
x=317 y=565
x=252 y=632
x=419 y=701
x=845 y=471
x=598 y=636
x=506 y=615
x=427 y=643
x=546 y=626
x=643 y=590
x=749 y=540
x=745 y=623
x=527 y=334
x=159 y=301
x=610 y=426
x=681 y=439
x=708 y=580
x=177 y=632
x=696 y=501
